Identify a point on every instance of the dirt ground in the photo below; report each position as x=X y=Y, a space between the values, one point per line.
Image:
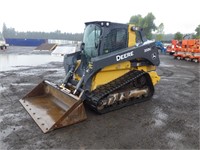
x=170 y=120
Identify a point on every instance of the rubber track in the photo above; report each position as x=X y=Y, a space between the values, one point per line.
x=101 y=92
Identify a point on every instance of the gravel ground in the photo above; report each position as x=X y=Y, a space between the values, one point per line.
x=170 y=120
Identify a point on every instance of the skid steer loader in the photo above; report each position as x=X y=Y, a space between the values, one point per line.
x=114 y=68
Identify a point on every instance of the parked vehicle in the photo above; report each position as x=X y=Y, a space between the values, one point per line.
x=3 y=44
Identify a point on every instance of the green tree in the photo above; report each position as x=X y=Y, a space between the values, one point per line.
x=11 y=33
x=178 y=36
x=160 y=32
x=4 y=29
x=136 y=20
x=147 y=23
x=197 y=35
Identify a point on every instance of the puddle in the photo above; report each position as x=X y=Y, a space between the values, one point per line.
x=1 y=117
x=155 y=96
x=23 y=84
x=165 y=65
x=174 y=136
x=159 y=117
x=13 y=117
x=174 y=140
x=14 y=62
x=2 y=89
x=158 y=122
x=160 y=114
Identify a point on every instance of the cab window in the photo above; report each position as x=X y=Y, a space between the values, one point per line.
x=115 y=40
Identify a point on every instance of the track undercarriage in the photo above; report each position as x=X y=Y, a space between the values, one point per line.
x=133 y=87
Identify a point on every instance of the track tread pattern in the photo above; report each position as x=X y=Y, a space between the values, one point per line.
x=101 y=92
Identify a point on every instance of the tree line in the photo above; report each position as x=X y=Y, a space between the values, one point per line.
x=180 y=36
x=12 y=33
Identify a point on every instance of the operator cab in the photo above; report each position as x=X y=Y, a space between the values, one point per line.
x=103 y=37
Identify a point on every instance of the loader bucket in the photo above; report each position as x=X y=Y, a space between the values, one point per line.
x=52 y=107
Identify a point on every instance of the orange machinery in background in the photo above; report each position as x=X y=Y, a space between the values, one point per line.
x=186 y=50
x=173 y=47
x=189 y=50
x=196 y=51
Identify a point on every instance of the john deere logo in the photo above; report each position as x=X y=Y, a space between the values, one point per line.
x=124 y=56
x=147 y=50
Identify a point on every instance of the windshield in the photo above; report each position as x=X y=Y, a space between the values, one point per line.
x=91 y=40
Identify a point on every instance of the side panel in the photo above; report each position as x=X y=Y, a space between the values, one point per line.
x=115 y=71
x=110 y=73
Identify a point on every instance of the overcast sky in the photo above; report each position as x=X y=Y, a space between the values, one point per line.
x=70 y=15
